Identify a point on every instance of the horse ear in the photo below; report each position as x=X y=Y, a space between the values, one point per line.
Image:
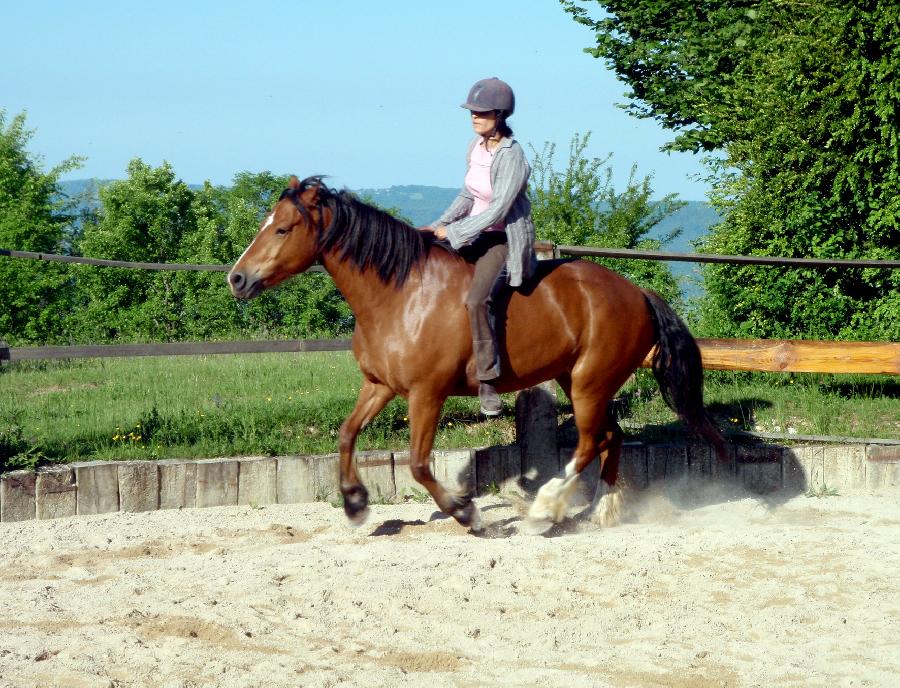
x=310 y=195
x=293 y=183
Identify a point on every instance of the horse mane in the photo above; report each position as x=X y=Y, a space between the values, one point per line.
x=367 y=236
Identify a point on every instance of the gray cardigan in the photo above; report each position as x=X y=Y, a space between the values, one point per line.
x=510 y=204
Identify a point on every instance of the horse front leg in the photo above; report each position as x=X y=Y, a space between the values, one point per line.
x=424 y=412
x=373 y=397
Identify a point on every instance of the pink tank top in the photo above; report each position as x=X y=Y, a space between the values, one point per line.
x=478 y=181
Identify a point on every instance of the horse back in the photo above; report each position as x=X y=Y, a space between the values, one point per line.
x=575 y=312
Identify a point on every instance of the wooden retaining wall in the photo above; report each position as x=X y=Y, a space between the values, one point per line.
x=102 y=487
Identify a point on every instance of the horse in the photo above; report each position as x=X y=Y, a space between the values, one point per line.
x=575 y=322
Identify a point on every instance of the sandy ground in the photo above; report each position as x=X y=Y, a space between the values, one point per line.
x=703 y=592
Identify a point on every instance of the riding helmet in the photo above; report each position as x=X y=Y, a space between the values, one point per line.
x=490 y=94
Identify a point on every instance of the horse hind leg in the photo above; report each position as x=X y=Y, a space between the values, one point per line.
x=551 y=503
x=607 y=505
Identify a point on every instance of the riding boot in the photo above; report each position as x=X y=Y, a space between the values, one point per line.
x=487 y=362
x=491 y=404
x=487 y=367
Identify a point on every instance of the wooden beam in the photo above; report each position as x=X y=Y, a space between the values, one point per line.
x=793 y=356
x=174 y=349
x=798 y=356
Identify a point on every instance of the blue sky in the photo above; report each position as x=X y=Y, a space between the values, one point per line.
x=365 y=92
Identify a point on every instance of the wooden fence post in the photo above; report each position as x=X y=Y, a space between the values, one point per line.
x=4 y=352
x=536 y=417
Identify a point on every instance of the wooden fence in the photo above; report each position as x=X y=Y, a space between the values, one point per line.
x=718 y=354
x=788 y=356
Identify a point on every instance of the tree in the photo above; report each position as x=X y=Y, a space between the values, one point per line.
x=800 y=103
x=152 y=216
x=309 y=305
x=581 y=207
x=144 y=218
x=33 y=215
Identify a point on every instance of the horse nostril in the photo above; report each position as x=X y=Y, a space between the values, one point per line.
x=237 y=279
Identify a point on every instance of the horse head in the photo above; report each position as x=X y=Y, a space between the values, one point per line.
x=287 y=242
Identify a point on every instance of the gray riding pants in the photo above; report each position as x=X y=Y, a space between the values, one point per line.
x=488 y=252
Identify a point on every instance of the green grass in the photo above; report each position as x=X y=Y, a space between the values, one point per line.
x=203 y=406
x=273 y=404
x=802 y=404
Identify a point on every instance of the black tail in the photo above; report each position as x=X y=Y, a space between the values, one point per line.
x=678 y=370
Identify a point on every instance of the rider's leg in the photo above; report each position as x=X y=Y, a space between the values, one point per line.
x=488 y=268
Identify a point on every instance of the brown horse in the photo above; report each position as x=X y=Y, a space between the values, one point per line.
x=576 y=322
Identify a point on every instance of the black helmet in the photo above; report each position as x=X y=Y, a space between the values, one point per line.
x=490 y=94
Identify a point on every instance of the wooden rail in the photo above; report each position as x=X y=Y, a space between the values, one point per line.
x=637 y=254
x=799 y=356
x=547 y=248
x=37 y=353
x=788 y=356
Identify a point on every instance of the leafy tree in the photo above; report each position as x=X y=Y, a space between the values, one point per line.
x=144 y=218
x=35 y=295
x=800 y=103
x=153 y=217
x=580 y=206
x=308 y=305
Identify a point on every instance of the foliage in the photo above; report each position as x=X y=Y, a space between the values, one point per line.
x=146 y=217
x=580 y=206
x=34 y=295
x=153 y=217
x=802 y=105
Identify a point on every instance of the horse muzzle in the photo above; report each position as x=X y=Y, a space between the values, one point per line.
x=243 y=285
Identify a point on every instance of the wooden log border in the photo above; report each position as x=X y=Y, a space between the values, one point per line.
x=104 y=487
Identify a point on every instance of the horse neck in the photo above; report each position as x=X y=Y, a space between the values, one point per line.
x=360 y=288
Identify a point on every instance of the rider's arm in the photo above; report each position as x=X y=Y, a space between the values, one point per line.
x=509 y=181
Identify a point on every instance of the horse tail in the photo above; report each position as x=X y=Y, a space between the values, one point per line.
x=678 y=369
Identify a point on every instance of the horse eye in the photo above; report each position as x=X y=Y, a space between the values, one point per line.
x=281 y=231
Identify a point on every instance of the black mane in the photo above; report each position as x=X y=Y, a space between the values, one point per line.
x=365 y=235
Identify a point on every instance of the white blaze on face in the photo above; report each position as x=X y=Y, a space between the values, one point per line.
x=267 y=223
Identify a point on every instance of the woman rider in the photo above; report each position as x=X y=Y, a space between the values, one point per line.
x=489 y=223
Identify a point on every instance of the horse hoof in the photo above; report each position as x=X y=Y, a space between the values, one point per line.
x=607 y=510
x=536 y=526
x=356 y=504
x=359 y=518
x=468 y=515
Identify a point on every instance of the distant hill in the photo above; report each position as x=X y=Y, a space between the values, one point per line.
x=421 y=205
